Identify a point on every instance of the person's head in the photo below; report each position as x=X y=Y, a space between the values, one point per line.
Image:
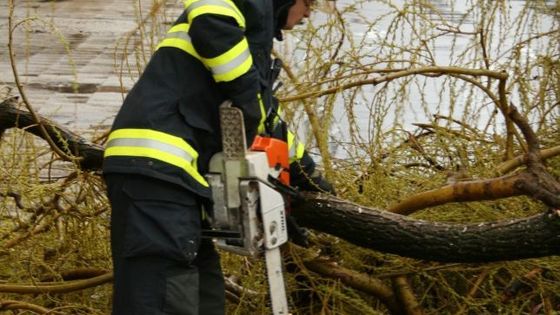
x=297 y=12
x=289 y=13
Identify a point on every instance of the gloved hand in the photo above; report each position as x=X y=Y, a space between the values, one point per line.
x=316 y=182
x=297 y=234
x=306 y=177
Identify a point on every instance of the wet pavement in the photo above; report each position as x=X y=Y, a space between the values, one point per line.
x=82 y=92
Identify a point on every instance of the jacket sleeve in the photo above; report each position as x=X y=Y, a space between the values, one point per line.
x=217 y=34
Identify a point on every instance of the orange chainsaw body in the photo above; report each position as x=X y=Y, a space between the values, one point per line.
x=277 y=152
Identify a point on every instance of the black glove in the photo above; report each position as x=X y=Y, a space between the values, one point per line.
x=321 y=184
x=316 y=182
x=297 y=234
x=305 y=176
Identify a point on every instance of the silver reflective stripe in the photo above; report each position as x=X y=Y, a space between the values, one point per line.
x=179 y=34
x=201 y=3
x=236 y=62
x=152 y=144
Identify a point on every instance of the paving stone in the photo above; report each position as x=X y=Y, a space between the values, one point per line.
x=66 y=56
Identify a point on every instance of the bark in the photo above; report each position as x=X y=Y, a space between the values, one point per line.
x=535 y=236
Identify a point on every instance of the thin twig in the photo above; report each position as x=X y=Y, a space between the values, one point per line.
x=36 y=118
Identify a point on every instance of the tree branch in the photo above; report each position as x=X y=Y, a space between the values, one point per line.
x=91 y=155
x=491 y=189
x=61 y=287
x=406 y=296
x=509 y=165
x=19 y=305
x=535 y=236
x=438 y=70
x=356 y=280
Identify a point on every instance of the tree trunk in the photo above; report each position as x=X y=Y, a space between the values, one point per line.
x=387 y=232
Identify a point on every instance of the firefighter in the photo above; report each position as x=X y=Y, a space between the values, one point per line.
x=163 y=138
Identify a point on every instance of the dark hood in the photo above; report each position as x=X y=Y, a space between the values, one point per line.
x=281 y=8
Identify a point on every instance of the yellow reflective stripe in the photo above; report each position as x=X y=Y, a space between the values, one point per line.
x=261 y=127
x=181 y=27
x=156 y=145
x=221 y=7
x=152 y=144
x=277 y=116
x=296 y=148
x=228 y=3
x=231 y=64
x=181 y=44
x=227 y=67
x=300 y=150
x=291 y=151
x=155 y=135
x=235 y=73
x=158 y=155
x=178 y=37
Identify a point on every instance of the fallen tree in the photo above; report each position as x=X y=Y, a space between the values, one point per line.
x=535 y=236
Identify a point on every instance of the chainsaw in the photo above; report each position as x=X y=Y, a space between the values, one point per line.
x=248 y=216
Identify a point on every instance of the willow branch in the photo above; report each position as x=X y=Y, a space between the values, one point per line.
x=481 y=86
x=38 y=121
x=19 y=305
x=458 y=122
x=61 y=287
x=477 y=190
x=406 y=296
x=530 y=136
x=504 y=108
x=239 y=290
x=15 y=196
x=315 y=122
x=356 y=280
x=445 y=130
x=437 y=70
x=510 y=165
x=528 y=237
x=41 y=227
x=77 y=274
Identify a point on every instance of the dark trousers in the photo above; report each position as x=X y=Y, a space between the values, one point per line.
x=161 y=264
